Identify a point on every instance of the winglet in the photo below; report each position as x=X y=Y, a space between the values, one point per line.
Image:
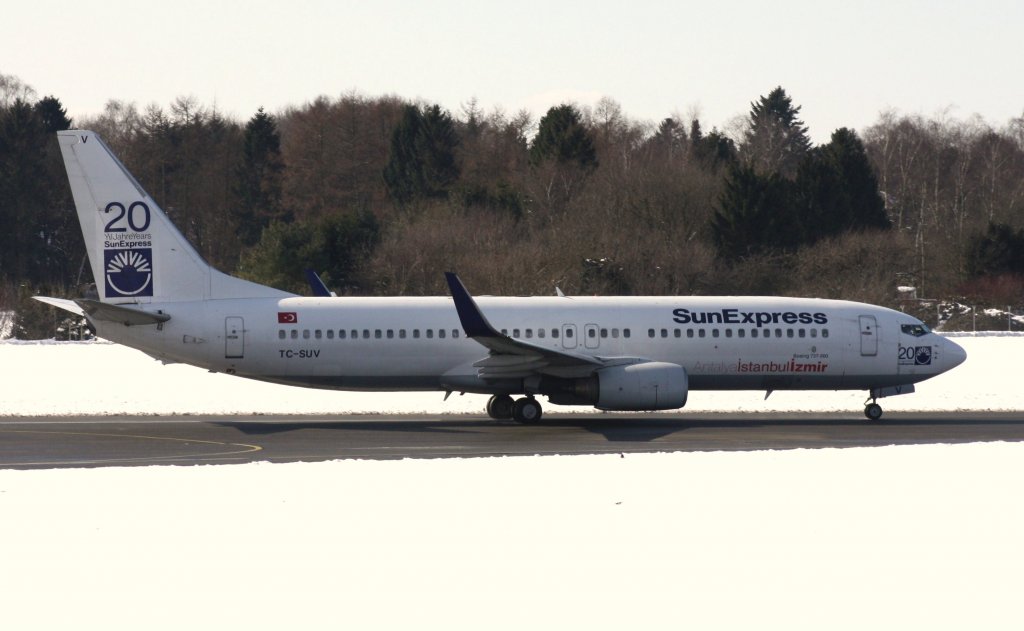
x=470 y=316
x=320 y=290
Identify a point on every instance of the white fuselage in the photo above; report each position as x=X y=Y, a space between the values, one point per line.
x=723 y=343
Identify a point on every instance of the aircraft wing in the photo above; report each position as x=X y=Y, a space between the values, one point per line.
x=512 y=358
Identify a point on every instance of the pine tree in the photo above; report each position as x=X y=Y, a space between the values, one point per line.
x=776 y=140
x=422 y=159
x=52 y=114
x=259 y=179
x=562 y=137
x=24 y=193
x=838 y=191
x=756 y=214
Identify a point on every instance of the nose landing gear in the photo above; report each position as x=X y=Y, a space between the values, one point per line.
x=873 y=411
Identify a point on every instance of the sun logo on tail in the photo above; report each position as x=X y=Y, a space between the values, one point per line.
x=129 y=272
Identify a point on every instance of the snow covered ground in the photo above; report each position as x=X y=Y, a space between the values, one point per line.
x=895 y=537
x=103 y=378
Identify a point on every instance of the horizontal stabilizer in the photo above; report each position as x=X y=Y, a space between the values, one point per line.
x=117 y=313
x=61 y=303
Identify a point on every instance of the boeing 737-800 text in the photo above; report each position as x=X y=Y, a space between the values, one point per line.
x=156 y=294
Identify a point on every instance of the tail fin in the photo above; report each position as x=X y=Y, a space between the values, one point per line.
x=136 y=253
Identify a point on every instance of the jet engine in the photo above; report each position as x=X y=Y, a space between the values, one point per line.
x=640 y=386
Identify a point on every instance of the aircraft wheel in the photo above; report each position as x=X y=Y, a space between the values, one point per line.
x=873 y=411
x=526 y=410
x=499 y=407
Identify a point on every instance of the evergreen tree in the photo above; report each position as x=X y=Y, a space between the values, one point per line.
x=52 y=115
x=756 y=214
x=838 y=190
x=422 y=159
x=776 y=140
x=334 y=246
x=24 y=193
x=711 y=150
x=849 y=158
x=1000 y=250
x=562 y=137
x=259 y=178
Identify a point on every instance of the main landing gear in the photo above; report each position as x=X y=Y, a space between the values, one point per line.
x=502 y=407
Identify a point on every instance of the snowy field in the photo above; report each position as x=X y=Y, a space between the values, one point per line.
x=922 y=537
x=102 y=378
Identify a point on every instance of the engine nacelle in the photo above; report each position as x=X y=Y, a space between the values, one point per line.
x=644 y=386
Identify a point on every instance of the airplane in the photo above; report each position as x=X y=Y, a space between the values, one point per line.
x=155 y=293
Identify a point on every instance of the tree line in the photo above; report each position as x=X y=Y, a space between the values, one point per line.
x=380 y=195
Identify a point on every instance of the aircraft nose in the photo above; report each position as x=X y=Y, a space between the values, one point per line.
x=953 y=354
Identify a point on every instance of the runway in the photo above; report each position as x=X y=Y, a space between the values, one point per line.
x=104 y=441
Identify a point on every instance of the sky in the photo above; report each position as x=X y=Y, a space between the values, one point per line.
x=842 y=62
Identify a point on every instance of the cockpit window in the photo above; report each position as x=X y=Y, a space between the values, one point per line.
x=917 y=330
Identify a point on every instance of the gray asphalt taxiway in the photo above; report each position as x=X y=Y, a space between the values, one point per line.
x=69 y=441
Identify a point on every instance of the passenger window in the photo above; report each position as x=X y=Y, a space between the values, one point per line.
x=515 y=333
x=378 y=334
x=741 y=332
x=677 y=333
x=554 y=333
x=753 y=332
x=814 y=332
x=650 y=332
x=540 y=333
x=568 y=333
x=702 y=333
x=366 y=334
x=401 y=334
x=391 y=334
x=318 y=334
x=789 y=332
x=330 y=334
x=281 y=334
x=440 y=333
x=504 y=331
x=355 y=334
x=778 y=332
x=714 y=333
x=664 y=333
x=824 y=333
x=295 y=334
x=415 y=334
x=689 y=332
x=455 y=333
x=615 y=334
x=728 y=333
x=802 y=333
x=341 y=334
x=430 y=334
x=305 y=334
x=529 y=334
x=625 y=333
x=592 y=333
x=604 y=333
